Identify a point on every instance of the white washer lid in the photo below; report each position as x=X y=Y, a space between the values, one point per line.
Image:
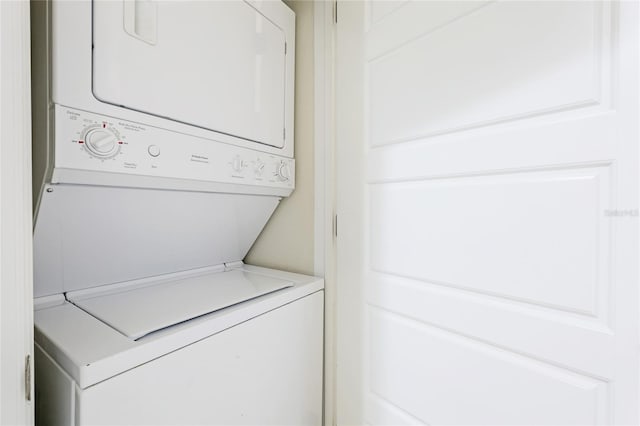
x=137 y=311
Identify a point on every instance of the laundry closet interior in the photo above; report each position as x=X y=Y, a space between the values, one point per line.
x=265 y=212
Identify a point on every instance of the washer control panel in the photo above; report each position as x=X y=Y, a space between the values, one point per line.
x=88 y=141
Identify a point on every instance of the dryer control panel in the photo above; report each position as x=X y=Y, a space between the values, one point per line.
x=91 y=142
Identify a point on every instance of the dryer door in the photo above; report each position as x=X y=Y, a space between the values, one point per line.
x=218 y=65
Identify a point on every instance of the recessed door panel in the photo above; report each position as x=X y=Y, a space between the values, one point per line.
x=217 y=65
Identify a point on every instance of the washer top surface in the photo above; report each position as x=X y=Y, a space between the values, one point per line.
x=139 y=310
x=90 y=350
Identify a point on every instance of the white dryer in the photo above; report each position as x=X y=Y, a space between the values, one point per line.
x=163 y=81
x=162 y=145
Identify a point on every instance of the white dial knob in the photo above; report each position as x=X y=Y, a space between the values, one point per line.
x=237 y=164
x=259 y=169
x=283 y=172
x=101 y=142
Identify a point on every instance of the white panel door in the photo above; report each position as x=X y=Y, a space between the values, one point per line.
x=488 y=212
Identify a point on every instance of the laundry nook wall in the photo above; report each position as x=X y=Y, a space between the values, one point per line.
x=287 y=242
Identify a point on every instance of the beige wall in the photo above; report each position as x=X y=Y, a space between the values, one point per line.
x=287 y=240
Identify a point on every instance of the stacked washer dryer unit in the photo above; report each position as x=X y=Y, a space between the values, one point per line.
x=162 y=145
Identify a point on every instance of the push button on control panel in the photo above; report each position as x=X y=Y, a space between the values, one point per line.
x=154 y=150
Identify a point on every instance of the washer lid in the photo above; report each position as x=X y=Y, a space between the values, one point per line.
x=139 y=310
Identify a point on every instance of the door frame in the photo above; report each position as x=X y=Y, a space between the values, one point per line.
x=16 y=270
x=325 y=188
x=351 y=201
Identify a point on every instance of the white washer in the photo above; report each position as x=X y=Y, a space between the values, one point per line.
x=256 y=362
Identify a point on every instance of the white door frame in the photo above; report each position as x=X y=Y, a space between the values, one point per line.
x=324 y=190
x=351 y=213
x=16 y=287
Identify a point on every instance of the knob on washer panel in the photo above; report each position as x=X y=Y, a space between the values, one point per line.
x=283 y=172
x=101 y=142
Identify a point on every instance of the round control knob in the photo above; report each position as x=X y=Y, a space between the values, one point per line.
x=259 y=169
x=237 y=164
x=283 y=172
x=101 y=142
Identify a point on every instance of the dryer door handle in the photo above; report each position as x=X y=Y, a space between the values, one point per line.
x=140 y=19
